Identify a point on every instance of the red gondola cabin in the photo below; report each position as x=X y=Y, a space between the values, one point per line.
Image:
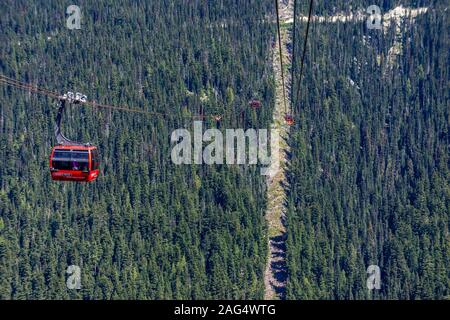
x=74 y=163
x=255 y=104
x=289 y=119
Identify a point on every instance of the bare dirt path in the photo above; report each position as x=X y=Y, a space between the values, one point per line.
x=276 y=271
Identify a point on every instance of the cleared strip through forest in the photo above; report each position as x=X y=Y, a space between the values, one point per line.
x=276 y=272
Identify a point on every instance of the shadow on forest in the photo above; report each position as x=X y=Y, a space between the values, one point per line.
x=279 y=267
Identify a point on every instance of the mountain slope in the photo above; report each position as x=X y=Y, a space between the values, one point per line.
x=369 y=172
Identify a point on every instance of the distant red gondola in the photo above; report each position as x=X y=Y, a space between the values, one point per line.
x=255 y=104
x=289 y=119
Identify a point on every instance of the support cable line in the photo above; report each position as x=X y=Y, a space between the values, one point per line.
x=294 y=32
x=281 y=54
x=28 y=87
x=305 y=43
x=35 y=89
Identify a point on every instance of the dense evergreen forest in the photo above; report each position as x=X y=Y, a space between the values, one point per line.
x=368 y=172
x=147 y=228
